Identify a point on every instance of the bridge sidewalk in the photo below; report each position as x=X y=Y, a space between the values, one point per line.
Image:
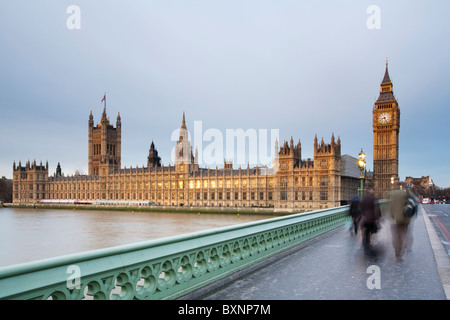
x=336 y=267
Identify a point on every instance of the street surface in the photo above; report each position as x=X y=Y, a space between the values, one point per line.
x=439 y=215
x=336 y=267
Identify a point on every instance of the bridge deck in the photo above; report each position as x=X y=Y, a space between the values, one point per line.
x=336 y=267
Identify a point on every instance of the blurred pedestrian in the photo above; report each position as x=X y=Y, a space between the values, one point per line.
x=370 y=217
x=399 y=221
x=355 y=213
x=409 y=232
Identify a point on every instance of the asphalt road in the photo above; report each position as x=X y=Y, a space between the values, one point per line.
x=440 y=218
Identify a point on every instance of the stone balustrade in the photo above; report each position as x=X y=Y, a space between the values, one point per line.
x=165 y=268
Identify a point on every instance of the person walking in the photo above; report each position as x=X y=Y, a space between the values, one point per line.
x=409 y=233
x=355 y=214
x=399 y=221
x=370 y=217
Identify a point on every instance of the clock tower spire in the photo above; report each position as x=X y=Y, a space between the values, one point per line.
x=386 y=128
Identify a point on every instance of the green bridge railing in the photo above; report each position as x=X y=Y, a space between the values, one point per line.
x=165 y=268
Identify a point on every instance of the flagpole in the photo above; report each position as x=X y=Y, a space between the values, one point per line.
x=105 y=100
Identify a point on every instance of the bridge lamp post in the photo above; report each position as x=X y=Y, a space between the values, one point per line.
x=362 y=166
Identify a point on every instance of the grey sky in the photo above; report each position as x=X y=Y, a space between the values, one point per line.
x=304 y=68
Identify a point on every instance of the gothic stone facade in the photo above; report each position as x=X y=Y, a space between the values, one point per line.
x=291 y=183
x=386 y=129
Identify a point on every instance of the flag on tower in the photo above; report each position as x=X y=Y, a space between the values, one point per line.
x=104 y=99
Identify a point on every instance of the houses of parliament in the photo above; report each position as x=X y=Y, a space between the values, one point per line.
x=327 y=180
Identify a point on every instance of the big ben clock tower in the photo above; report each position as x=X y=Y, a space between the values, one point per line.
x=386 y=128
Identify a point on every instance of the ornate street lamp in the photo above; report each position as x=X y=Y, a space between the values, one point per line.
x=362 y=167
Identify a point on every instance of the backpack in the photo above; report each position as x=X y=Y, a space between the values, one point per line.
x=411 y=207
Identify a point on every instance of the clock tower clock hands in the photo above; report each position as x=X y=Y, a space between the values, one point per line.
x=384 y=118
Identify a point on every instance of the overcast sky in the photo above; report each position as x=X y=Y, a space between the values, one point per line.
x=304 y=68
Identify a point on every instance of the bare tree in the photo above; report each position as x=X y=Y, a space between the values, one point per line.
x=6 y=190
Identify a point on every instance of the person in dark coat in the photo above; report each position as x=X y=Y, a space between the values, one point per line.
x=355 y=213
x=370 y=217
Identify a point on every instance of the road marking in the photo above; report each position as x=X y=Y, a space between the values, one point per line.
x=445 y=233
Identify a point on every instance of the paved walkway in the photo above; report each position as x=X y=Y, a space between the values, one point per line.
x=336 y=267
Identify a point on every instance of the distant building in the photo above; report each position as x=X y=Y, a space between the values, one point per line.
x=325 y=181
x=423 y=182
x=350 y=175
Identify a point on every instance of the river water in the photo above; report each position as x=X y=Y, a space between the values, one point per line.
x=35 y=234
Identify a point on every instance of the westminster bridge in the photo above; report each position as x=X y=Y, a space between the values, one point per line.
x=301 y=256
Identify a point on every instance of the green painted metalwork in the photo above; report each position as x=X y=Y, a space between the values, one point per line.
x=165 y=268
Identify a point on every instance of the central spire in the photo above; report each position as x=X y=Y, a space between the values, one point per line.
x=386 y=92
x=183 y=124
x=386 y=78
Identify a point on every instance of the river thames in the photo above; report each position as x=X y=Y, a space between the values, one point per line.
x=34 y=234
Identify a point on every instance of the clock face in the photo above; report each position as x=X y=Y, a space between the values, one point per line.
x=384 y=118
